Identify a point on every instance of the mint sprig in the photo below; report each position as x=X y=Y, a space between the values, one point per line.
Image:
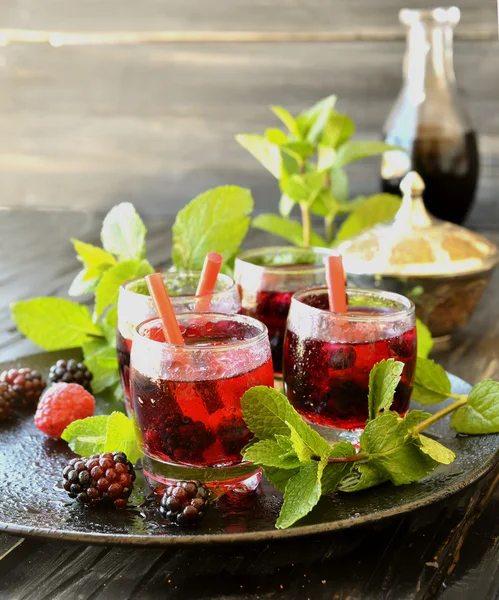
x=302 y=465
x=110 y=433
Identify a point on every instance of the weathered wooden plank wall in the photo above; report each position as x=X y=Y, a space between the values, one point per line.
x=105 y=120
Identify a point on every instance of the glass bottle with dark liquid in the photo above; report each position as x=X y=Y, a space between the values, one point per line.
x=430 y=122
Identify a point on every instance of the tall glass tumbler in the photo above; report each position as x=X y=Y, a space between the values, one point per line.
x=135 y=305
x=268 y=278
x=187 y=398
x=328 y=356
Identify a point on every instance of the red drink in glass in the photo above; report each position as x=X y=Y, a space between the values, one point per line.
x=187 y=399
x=328 y=356
x=268 y=278
x=135 y=305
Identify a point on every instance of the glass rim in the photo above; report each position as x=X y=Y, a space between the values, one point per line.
x=281 y=270
x=407 y=311
x=183 y=297
x=258 y=338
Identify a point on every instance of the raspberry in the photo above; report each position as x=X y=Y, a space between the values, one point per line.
x=60 y=405
x=7 y=398
x=103 y=479
x=27 y=383
x=185 y=502
x=71 y=371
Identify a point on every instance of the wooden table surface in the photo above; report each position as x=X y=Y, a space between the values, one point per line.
x=449 y=550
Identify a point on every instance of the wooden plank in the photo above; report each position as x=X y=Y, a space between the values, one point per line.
x=478 y=16
x=90 y=126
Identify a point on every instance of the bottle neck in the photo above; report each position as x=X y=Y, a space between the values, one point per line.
x=428 y=59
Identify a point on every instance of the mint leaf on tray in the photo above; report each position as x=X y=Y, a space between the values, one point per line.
x=108 y=433
x=54 y=323
x=481 y=413
x=383 y=381
x=431 y=385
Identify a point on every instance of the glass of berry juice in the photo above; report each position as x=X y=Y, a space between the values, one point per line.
x=328 y=356
x=135 y=305
x=268 y=278
x=187 y=398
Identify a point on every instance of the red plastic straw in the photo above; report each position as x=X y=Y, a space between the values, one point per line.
x=164 y=308
x=335 y=278
x=208 y=280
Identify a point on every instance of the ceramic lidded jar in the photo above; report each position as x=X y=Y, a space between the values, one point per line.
x=442 y=267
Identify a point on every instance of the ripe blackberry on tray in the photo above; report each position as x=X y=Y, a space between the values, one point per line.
x=184 y=503
x=27 y=383
x=7 y=398
x=101 y=480
x=71 y=371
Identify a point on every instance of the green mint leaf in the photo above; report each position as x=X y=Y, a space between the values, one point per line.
x=383 y=381
x=279 y=477
x=313 y=120
x=363 y=475
x=425 y=340
x=326 y=157
x=109 y=324
x=303 y=189
x=285 y=205
x=123 y=233
x=108 y=288
x=302 y=492
x=338 y=130
x=268 y=412
x=334 y=472
x=81 y=285
x=108 y=433
x=269 y=453
x=481 y=414
x=93 y=257
x=287 y=119
x=120 y=437
x=353 y=151
x=93 y=345
x=302 y=450
x=436 y=450
x=339 y=185
x=292 y=231
x=87 y=436
x=267 y=154
x=373 y=210
x=215 y=221
x=54 y=323
x=393 y=451
x=276 y=136
x=431 y=384
x=104 y=367
x=300 y=151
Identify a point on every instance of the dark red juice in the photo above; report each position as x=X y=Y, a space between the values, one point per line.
x=199 y=422
x=328 y=382
x=271 y=308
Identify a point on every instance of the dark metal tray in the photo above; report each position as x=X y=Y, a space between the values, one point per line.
x=33 y=504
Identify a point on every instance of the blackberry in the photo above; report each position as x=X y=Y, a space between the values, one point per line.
x=184 y=439
x=234 y=435
x=7 y=398
x=27 y=383
x=71 y=371
x=101 y=480
x=185 y=502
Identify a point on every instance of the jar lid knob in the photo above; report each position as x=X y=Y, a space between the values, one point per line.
x=412 y=184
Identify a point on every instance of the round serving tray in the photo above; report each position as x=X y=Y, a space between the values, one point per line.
x=32 y=502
